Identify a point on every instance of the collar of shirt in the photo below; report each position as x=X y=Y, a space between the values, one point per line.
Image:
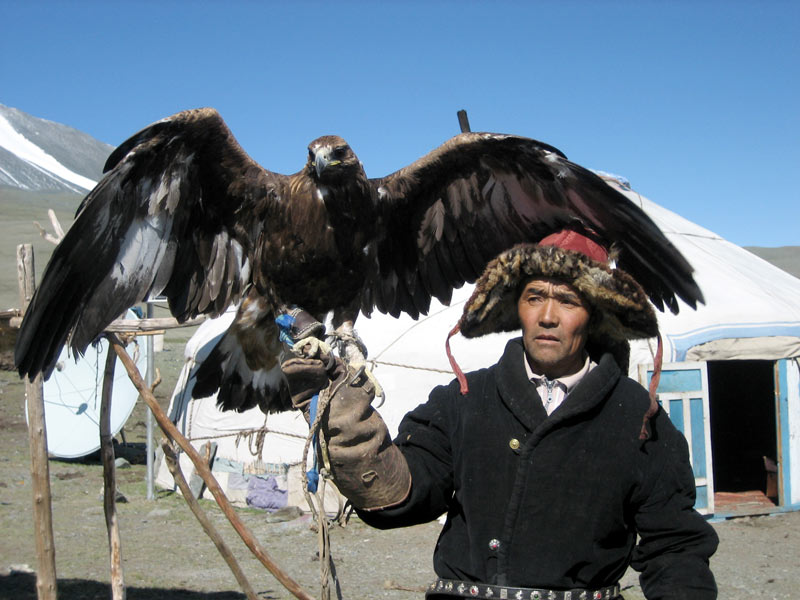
x=554 y=391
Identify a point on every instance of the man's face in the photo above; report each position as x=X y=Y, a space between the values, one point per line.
x=555 y=324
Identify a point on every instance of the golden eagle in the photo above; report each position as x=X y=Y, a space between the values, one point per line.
x=183 y=211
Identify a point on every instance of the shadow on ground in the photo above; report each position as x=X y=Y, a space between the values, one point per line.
x=22 y=586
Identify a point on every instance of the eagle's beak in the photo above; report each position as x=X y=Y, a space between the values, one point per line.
x=322 y=160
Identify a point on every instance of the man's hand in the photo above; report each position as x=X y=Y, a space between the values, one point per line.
x=366 y=466
x=314 y=367
x=307 y=377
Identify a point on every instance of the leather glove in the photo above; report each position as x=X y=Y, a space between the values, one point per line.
x=299 y=324
x=306 y=378
x=366 y=466
x=309 y=374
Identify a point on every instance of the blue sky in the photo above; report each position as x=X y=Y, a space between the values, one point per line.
x=696 y=103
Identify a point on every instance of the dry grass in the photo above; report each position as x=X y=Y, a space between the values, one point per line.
x=19 y=209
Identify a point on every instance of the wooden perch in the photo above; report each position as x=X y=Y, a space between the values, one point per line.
x=213 y=486
x=149 y=325
x=171 y=457
x=155 y=325
x=46 y=582
x=110 y=482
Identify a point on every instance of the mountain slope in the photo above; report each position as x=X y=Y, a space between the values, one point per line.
x=783 y=257
x=40 y=155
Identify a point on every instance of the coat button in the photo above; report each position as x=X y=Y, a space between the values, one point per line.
x=514 y=444
x=494 y=544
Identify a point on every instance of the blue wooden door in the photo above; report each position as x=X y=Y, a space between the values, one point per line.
x=683 y=394
x=787 y=397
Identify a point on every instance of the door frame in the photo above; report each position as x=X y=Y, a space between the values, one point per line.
x=683 y=394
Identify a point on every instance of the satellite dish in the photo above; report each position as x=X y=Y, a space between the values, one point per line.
x=73 y=393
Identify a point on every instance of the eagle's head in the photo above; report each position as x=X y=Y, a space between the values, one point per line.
x=330 y=159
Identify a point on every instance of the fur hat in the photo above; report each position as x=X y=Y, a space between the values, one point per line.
x=620 y=305
x=620 y=308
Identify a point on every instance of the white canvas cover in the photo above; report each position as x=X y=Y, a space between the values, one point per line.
x=248 y=444
x=752 y=308
x=752 y=311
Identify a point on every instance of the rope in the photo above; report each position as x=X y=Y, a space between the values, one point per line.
x=412 y=367
x=327 y=567
x=245 y=432
x=416 y=324
x=318 y=406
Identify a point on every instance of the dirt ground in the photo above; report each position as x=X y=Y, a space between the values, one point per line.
x=166 y=554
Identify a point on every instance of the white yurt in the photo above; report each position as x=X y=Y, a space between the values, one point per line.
x=731 y=378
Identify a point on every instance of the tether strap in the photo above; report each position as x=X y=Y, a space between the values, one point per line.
x=313 y=475
x=654 y=380
x=462 y=380
x=285 y=322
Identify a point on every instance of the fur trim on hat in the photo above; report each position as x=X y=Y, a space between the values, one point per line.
x=621 y=308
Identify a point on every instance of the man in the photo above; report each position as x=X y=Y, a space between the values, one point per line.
x=549 y=463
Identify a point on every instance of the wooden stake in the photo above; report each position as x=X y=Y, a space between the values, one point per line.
x=175 y=468
x=110 y=480
x=202 y=469
x=46 y=583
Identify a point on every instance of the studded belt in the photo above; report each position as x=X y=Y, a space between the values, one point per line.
x=468 y=589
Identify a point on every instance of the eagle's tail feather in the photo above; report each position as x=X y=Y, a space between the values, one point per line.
x=238 y=386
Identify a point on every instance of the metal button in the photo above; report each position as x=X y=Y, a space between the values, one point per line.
x=514 y=444
x=494 y=544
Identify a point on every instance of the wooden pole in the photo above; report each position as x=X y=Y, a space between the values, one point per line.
x=145 y=326
x=110 y=480
x=175 y=468
x=150 y=325
x=46 y=587
x=149 y=378
x=202 y=469
x=463 y=121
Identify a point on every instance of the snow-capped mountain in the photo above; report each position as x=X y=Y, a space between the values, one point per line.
x=40 y=155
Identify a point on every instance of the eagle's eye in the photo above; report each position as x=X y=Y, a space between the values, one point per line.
x=310 y=154
x=341 y=152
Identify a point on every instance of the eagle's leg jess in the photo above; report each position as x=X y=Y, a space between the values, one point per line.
x=354 y=352
x=302 y=331
x=351 y=347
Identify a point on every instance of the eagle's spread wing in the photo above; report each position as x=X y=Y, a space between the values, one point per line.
x=174 y=214
x=446 y=215
x=185 y=212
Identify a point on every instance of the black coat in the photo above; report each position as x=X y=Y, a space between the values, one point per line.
x=565 y=495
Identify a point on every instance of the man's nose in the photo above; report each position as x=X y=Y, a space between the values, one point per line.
x=549 y=313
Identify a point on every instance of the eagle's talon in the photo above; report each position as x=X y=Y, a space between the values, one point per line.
x=379 y=393
x=311 y=347
x=358 y=373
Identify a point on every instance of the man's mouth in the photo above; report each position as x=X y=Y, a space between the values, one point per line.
x=547 y=338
